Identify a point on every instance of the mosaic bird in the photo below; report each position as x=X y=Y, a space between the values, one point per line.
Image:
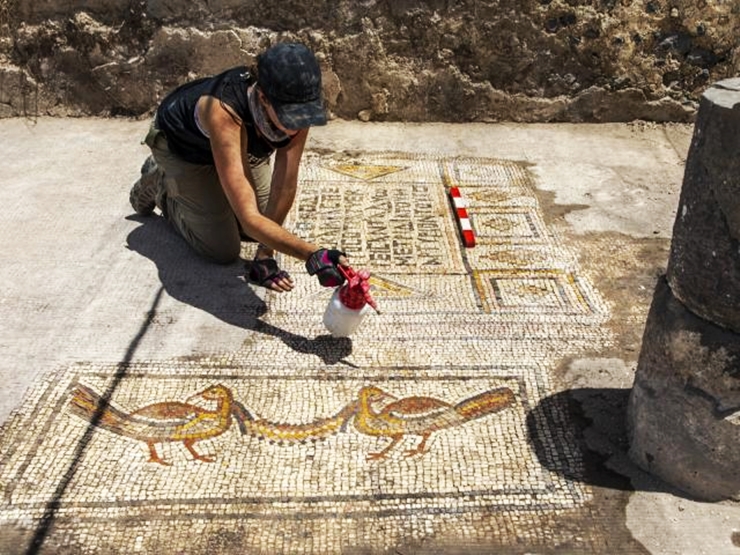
x=421 y=416
x=168 y=421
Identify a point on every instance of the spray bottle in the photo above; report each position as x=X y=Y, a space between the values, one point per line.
x=349 y=303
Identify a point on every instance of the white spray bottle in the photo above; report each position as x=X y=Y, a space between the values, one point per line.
x=349 y=304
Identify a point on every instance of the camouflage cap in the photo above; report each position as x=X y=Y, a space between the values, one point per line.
x=290 y=76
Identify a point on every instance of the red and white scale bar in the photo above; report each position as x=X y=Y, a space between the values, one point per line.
x=461 y=213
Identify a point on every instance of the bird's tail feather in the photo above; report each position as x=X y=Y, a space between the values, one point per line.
x=485 y=403
x=241 y=415
x=90 y=406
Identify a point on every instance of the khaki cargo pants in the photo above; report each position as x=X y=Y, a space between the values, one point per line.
x=193 y=201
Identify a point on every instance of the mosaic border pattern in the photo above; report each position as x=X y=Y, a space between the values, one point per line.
x=533 y=292
x=504 y=225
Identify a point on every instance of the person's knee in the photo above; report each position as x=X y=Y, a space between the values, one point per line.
x=225 y=252
x=216 y=240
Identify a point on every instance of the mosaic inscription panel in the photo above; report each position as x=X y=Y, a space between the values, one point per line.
x=389 y=219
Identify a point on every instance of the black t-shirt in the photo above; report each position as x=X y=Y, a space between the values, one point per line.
x=176 y=116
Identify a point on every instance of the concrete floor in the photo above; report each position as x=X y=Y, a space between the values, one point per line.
x=574 y=224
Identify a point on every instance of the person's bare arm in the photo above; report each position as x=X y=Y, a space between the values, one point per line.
x=284 y=183
x=229 y=147
x=285 y=177
x=228 y=143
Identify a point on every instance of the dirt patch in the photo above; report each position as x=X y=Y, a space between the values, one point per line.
x=624 y=269
x=495 y=60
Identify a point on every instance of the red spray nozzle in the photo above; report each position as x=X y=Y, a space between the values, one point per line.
x=355 y=293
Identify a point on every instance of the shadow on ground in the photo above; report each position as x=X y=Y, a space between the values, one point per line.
x=582 y=434
x=220 y=290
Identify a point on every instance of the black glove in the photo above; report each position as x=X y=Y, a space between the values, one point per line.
x=323 y=264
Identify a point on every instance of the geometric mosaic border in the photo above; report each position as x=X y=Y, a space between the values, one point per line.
x=497 y=225
x=548 y=291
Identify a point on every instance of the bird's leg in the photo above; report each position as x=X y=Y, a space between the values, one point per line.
x=419 y=448
x=189 y=444
x=154 y=457
x=384 y=452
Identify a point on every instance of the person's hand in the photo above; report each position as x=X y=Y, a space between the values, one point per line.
x=265 y=272
x=323 y=264
x=282 y=283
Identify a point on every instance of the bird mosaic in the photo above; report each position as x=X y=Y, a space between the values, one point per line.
x=168 y=421
x=420 y=416
x=373 y=413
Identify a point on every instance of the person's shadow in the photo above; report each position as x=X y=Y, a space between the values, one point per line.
x=219 y=289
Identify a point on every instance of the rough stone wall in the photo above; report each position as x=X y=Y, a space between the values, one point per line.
x=412 y=60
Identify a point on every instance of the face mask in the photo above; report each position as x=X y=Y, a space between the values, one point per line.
x=262 y=119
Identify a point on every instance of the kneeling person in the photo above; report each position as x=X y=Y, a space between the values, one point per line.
x=209 y=173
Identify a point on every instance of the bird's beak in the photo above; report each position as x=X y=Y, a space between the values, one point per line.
x=199 y=397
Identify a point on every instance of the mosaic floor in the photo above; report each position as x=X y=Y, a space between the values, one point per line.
x=427 y=423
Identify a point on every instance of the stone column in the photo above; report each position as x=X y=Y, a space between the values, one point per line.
x=684 y=410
